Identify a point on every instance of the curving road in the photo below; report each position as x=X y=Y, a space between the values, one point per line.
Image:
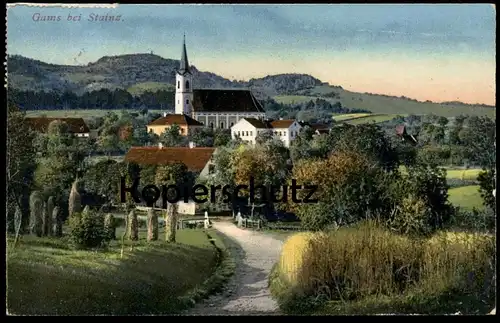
x=247 y=292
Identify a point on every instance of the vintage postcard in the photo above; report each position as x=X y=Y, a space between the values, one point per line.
x=202 y=159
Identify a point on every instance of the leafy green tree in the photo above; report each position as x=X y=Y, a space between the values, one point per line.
x=172 y=137
x=368 y=139
x=221 y=137
x=172 y=174
x=21 y=163
x=300 y=147
x=203 y=137
x=486 y=181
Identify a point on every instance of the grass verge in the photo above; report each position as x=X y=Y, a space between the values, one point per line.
x=46 y=276
x=466 y=197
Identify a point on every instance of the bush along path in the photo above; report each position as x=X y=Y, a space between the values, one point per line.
x=247 y=291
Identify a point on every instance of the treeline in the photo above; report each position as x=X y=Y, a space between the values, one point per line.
x=117 y=99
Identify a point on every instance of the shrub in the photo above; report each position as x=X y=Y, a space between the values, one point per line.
x=48 y=222
x=110 y=226
x=36 y=209
x=87 y=229
x=57 y=221
x=366 y=261
x=410 y=216
x=75 y=199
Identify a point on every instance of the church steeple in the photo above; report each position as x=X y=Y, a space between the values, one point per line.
x=184 y=66
x=184 y=85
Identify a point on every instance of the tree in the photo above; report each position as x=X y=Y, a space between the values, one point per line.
x=350 y=187
x=172 y=137
x=301 y=146
x=486 y=181
x=221 y=137
x=368 y=139
x=64 y=160
x=102 y=178
x=203 y=137
x=171 y=174
x=478 y=138
x=21 y=163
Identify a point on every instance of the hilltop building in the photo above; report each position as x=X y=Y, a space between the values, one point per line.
x=212 y=107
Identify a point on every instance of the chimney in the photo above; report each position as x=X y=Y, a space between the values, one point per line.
x=160 y=145
x=192 y=144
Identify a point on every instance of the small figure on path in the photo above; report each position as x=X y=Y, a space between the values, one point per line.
x=207 y=221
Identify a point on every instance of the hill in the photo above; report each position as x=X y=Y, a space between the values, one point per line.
x=138 y=73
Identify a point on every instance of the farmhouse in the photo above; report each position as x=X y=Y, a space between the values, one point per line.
x=186 y=124
x=215 y=108
x=77 y=126
x=248 y=129
x=197 y=159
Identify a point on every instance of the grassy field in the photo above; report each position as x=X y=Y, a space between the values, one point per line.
x=467 y=197
x=465 y=174
x=139 y=88
x=385 y=104
x=86 y=114
x=45 y=276
x=349 y=116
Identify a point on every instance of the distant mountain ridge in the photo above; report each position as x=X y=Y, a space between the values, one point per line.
x=143 y=72
x=124 y=71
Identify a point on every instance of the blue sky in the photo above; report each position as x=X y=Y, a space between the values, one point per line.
x=370 y=48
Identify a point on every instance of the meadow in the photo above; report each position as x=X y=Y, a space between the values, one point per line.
x=45 y=276
x=382 y=104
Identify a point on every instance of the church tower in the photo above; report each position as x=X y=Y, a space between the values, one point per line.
x=183 y=85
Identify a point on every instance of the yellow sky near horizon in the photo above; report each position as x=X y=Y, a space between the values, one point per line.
x=436 y=78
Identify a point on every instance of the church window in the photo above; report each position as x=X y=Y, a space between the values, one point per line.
x=222 y=125
x=178 y=84
x=187 y=85
x=247 y=133
x=187 y=101
x=284 y=133
x=211 y=125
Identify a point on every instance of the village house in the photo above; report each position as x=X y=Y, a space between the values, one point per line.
x=77 y=126
x=404 y=135
x=215 y=108
x=248 y=129
x=186 y=124
x=198 y=160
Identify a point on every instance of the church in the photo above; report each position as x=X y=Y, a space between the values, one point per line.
x=212 y=107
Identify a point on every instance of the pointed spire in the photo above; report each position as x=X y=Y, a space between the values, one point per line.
x=184 y=67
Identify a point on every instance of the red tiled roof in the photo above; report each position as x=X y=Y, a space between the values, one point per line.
x=280 y=124
x=76 y=125
x=227 y=100
x=180 y=119
x=400 y=130
x=195 y=159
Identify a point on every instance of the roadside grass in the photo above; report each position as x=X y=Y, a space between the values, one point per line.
x=466 y=197
x=45 y=276
x=366 y=269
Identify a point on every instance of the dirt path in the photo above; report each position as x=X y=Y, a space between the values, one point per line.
x=247 y=292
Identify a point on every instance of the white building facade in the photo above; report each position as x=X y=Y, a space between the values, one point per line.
x=249 y=128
